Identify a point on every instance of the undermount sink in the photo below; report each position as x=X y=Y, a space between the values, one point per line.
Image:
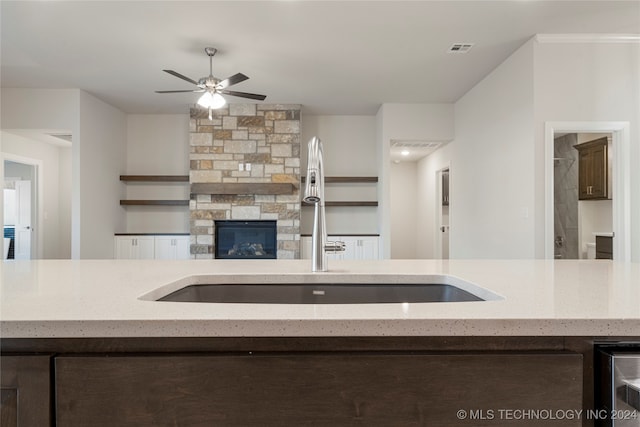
x=307 y=290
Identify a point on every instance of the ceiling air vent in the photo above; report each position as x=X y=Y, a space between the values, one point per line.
x=460 y=48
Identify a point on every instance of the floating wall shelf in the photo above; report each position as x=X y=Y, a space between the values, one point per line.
x=346 y=203
x=154 y=202
x=155 y=178
x=346 y=179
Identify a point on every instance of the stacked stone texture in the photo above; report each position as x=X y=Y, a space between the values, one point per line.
x=268 y=137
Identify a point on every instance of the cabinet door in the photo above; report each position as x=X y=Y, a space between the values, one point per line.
x=584 y=174
x=183 y=247
x=335 y=389
x=25 y=393
x=368 y=248
x=125 y=248
x=350 y=247
x=144 y=247
x=135 y=247
x=164 y=247
x=593 y=169
x=599 y=171
x=171 y=247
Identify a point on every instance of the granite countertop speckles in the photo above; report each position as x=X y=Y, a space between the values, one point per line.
x=101 y=298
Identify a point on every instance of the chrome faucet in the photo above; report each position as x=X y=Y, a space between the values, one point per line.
x=314 y=193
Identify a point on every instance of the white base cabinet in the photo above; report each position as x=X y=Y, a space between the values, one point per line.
x=152 y=247
x=171 y=247
x=134 y=247
x=356 y=247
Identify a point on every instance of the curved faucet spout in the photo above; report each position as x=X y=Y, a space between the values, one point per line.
x=314 y=189
x=314 y=193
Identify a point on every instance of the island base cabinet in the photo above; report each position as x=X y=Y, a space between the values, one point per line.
x=25 y=391
x=320 y=389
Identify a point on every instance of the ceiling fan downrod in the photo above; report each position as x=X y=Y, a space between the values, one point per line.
x=210 y=51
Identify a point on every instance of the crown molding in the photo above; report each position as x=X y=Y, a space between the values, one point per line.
x=587 y=38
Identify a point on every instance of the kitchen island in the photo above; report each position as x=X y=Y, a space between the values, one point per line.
x=83 y=326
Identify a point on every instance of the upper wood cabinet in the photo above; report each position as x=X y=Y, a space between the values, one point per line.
x=593 y=173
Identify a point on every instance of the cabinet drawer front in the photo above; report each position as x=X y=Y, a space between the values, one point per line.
x=325 y=389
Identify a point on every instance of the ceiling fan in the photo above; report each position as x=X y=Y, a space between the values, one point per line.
x=212 y=87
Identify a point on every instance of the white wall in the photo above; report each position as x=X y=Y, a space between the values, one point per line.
x=102 y=143
x=349 y=144
x=404 y=212
x=157 y=144
x=426 y=122
x=588 y=82
x=56 y=209
x=492 y=166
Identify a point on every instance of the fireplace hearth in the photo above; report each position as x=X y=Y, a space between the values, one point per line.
x=245 y=239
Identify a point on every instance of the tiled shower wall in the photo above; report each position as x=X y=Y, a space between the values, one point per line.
x=267 y=136
x=565 y=194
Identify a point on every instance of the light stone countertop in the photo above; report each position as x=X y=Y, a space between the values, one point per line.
x=100 y=298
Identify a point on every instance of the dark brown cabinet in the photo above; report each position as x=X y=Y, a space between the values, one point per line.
x=25 y=391
x=604 y=247
x=336 y=388
x=593 y=176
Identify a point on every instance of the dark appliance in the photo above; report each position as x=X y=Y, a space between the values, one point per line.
x=617 y=385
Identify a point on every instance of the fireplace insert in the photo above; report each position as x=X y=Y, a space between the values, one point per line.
x=245 y=239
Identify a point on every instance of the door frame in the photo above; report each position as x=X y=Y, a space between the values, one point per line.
x=37 y=213
x=437 y=249
x=621 y=186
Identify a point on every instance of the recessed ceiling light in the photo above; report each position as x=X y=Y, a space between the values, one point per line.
x=405 y=152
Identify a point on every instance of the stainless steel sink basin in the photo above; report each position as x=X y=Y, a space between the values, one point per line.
x=314 y=289
x=329 y=293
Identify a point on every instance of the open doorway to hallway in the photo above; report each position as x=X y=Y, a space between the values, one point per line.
x=49 y=155
x=19 y=194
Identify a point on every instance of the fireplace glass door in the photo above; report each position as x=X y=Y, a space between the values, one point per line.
x=245 y=239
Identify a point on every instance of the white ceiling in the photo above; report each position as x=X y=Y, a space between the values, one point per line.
x=333 y=57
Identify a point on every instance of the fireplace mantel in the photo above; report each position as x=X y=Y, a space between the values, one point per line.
x=244 y=188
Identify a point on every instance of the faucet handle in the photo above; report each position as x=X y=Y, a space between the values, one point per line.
x=334 y=247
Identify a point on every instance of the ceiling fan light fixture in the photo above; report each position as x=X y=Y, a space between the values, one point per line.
x=212 y=100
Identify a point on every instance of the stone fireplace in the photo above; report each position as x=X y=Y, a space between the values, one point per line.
x=245 y=165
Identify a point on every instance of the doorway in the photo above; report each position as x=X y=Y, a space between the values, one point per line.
x=20 y=209
x=442 y=213
x=592 y=218
x=580 y=213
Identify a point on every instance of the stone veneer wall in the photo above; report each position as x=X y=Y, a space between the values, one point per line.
x=268 y=137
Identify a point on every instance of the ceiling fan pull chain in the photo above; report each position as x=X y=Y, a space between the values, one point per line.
x=210 y=113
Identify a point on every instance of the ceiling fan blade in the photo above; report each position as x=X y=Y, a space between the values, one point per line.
x=235 y=79
x=244 y=95
x=180 y=76
x=179 y=91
